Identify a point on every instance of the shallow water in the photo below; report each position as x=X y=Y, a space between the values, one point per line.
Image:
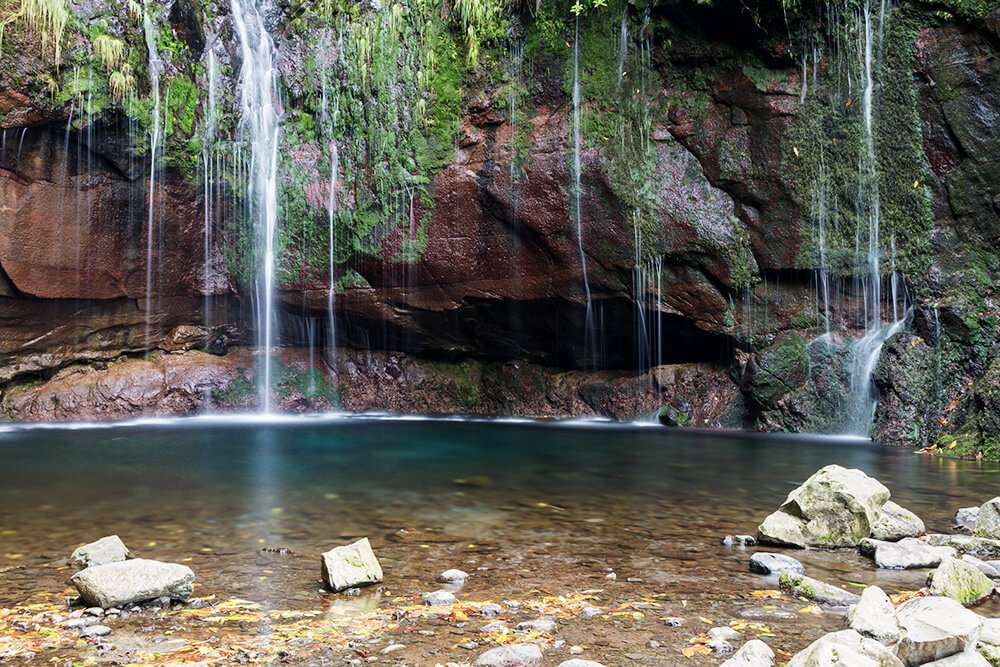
x=525 y=506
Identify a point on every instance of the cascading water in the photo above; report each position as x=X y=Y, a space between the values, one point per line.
x=866 y=350
x=590 y=333
x=331 y=118
x=209 y=180
x=260 y=128
x=155 y=68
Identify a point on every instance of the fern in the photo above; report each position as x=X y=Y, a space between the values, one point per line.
x=45 y=18
x=110 y=50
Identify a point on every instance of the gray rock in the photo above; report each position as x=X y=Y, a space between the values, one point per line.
x=990 y=633
x=991 y=652
x=577 y=662
x=95 y=611
x=538 y=625
x=720 y=646
x=722 y=632
x=738 y=541
x=131 y=581
x=983 y=547
x=846 y=648
x=875 y=616
x=95 y=631
x=513 y=655
x=452 y=577
x=935 y=628
x=960 y=660
x=965 y=518
x=591 y=612
x=905 y=554
x=836 y=507
x=988 y=520
x=770 y=563
x=491 y=610
x=960 y=581
x=894 y=523
x=754 y=653
x=989 y=569
x=81 y=622
x=495 y=626
x=351 y=565
x=674 y=621
x=438 y=598
x=106 y=550
x=816 y=591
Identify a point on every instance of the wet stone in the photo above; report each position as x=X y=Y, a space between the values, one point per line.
x=739 y=541
x=755 y=653
x=95 y=631
x=514 y=655
x=591 y=612
x=438 y=598
x=490 y=610
x=106 y=550
x=452 y=577
x=350 y=566
x=772 y=563
x=543 y=625
x=817 y=591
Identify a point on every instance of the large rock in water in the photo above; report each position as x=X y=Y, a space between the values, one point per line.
x=351 y=565
x=875 y=617
x=816 y=590
x=988 y=519
x=895 y=523
x=906 y=554
x=935 y=628
x=846 y=648
x=138 y=580
x=106 y=550
x=836 y=507
x=754 y=653
x=960 y=581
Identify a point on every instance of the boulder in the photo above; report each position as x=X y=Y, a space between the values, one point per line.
x=816 y=591
x=990 y=633
x=772 y=563
x=512 y=655
x=131 y=581
x=106 y=550
x=960 y=581
x=961 y=660
x=836 y=507
x=988 y=519
x=983 y=547
x=905 y=554
x=351 y=565
x=875 y=616
x=935 y=628
x=894 y=523
x=846 y=648
x=965 y=518
x=754 y=653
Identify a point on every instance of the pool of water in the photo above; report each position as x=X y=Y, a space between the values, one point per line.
x=525 y=506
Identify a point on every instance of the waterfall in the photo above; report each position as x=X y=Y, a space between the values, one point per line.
x=331 y=206
x=155 y=67
x=590 y=342
x=259 y=127
x=209 y=180
x=867 y=349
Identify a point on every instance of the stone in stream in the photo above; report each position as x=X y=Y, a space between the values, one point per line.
x=960 y=581
x=512 y=655
x=722 y=632
x=542 y=625
x=846 y=648
x=983 y=547
x=452 y=577
x=106 y=550
x=960 y=660
x=95 y=631
x=816 y=591
x=836 y=507
x=578 y=662
x=906 y=554
x=350 y=566
x=495 y=626
x=989 y=569
x=754 y=653
x=894 y=523
x=738 y=541
x=130 y=581
x=438 y=598
x=965 y=518
x=934 y=628
x=771 y=563
x=988 y=519
x=990 y=632
x=875 y=616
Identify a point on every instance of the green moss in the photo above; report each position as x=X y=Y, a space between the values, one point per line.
x=237 y=392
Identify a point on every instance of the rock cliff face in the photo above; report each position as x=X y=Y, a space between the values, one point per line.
x=699 y=205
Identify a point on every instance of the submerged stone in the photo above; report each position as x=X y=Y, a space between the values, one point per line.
x=772 y=563
x=131 y=581
x=350 y=566
x=816 y=591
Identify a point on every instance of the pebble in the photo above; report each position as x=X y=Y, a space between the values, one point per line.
x=495 y=626
x=426 y=633
x=652 y=643
x=543 y=625
x=511 y=604
x=94 y=611
x=675 y=621
x=612 y=576
x=469 y=646
x=591 y=612
x=81 y=622
x=393 y=647
x=723 y=632
x=576 y=650
x=95 y=631
x=490 y=609
x=438 y=598
x=738 y=541
x=452 y=577
x=720 y=646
